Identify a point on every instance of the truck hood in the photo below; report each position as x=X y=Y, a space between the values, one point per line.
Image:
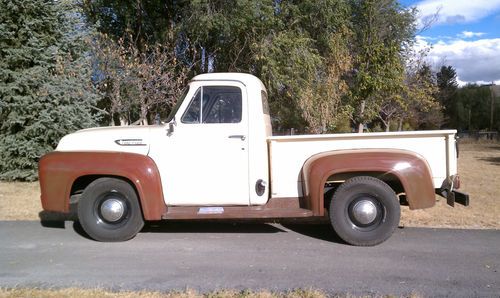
x=134 y=139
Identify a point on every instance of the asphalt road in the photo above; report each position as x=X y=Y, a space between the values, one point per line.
x=211 y=256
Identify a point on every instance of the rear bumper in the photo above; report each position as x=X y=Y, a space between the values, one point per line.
x=448 y=191
x=457 y=197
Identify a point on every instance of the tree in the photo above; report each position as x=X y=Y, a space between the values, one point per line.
x=222 y=35
x=419 y=108
x=321 y=100
x=471 y=108
x=136 y=85
x=447 y=84
x=147 y=22
x=466 y=108
x=424 y=110
x=320 y=88
x=288 y=44
x=322 y=61
x=45 y=87
x=382 y=29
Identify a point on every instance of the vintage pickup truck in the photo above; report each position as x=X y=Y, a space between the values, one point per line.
x=215 y=158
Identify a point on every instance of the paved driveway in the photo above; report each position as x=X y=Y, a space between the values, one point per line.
x=209 y=256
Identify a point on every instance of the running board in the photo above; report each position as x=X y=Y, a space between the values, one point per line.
x=275 y=208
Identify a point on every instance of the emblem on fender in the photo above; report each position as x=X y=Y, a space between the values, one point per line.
x=130 y=142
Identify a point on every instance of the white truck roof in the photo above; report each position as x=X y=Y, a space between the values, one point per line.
x=244 y=78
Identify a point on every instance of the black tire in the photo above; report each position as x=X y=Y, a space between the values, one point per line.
x=110 y=227
x=364 y=226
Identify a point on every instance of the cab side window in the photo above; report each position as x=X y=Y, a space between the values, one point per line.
x=214 y=104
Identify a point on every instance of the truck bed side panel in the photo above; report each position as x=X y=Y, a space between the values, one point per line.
x=288 y=154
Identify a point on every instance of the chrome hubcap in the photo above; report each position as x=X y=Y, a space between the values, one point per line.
x=364 y=212
x=112 y=210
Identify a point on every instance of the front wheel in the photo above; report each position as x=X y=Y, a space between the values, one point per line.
x=364 y=211
x=109 y=210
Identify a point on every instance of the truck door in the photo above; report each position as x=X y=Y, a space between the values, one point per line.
x=209 y=160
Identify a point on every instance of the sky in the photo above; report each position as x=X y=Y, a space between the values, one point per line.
x=464 y=34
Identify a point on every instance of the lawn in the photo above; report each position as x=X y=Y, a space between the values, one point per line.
x=479 y=169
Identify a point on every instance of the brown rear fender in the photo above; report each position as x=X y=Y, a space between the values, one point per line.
x=410 y=168
x=59 y=170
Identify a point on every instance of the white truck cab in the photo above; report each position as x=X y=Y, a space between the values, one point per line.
x=215 y=151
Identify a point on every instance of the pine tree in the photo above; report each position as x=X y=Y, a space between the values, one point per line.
x=447 y=83
x=45 y=85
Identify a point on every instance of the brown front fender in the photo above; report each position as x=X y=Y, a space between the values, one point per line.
x=410 y=168
x=59 y=170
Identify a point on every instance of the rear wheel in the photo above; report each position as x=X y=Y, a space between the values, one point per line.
x=109 y=210
x=364 y=211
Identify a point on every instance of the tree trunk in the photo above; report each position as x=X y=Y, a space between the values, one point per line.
x=123 y=121
x=400 y=124
x=360 y=128
x=361 y=111
x=387 y=125
x=144 y=115
x=138 y=27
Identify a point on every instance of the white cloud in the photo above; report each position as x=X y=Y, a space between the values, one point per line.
x=470 y=34
x=456 y=11
x=475 y=61
x=463 y=83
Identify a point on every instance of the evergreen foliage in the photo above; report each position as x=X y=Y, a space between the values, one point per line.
x=45 y=88
x=467 y=108
x=447 y=83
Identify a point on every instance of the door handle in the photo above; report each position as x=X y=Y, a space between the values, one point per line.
x=242 y=137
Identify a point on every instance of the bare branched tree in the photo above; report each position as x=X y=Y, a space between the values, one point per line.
x=138 y=83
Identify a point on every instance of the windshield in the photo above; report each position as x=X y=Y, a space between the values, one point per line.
x=177 y=105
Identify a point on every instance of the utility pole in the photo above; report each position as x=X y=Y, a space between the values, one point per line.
x=495 y=92
x=468 y=122
x=492 y=93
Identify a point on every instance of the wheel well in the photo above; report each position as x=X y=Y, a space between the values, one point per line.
x=334 y=181
x=82 y=182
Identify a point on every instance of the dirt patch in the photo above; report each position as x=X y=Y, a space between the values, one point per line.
x=19 y=200
x=479 y=168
